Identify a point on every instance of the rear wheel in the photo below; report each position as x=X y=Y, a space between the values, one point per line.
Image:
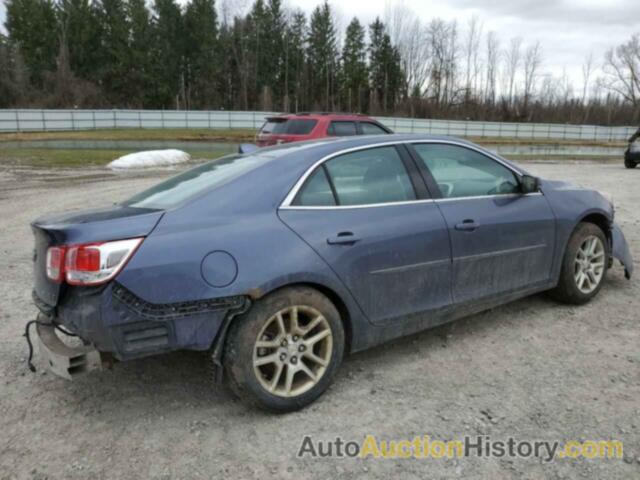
x=584 y=266
x=284 y=352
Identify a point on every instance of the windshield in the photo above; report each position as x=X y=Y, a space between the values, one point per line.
x=180 y=188
x=288 y=126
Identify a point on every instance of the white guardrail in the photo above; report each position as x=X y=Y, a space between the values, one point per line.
x=30 y=120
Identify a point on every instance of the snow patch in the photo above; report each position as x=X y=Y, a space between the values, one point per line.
x=150 y=158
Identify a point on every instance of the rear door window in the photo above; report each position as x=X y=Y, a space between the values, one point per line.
x=366 y=177
x=317 y=191
x=369 y=128
x=342 y=129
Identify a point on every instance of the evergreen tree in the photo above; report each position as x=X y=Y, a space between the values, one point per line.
x=295 y=80
x=13 y=81
x=79 y=24
x=32 y=27
x=140 y=67
x=114 y=55
x=201 y=52
x=354 y=73
x=386 y=76
x=167 y=55
x=323 y=57
x=274 y=50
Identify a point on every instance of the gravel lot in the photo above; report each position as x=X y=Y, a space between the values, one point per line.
x=533 y=369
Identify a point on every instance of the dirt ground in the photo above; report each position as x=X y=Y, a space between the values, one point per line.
x=533 y=370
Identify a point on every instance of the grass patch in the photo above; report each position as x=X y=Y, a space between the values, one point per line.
x=44 y=157
x=180 y=134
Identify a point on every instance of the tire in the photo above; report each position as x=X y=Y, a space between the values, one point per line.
x=286 y=351
x=572 y=288
x=628 y=163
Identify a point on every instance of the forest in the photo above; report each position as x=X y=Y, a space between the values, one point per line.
x=204 y=55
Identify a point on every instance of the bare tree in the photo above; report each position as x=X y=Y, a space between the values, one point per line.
x=472 y=54
x=512 y=64
x=587 y=70
x=622 y=70
x=492 y=58
x=531 y=65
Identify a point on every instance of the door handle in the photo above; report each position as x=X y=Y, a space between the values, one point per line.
x=467 y=225
x=343 y=238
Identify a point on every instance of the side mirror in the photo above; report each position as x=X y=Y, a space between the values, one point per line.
x=529 y=184
x=247 y=148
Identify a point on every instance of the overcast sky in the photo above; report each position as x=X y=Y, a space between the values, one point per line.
x=567 y=29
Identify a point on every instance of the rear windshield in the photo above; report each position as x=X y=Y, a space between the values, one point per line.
x=294 y=126
x=189 y=184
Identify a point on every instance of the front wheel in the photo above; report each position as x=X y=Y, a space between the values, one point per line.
x=628 y=163
x=283 y=353
x=584 y=265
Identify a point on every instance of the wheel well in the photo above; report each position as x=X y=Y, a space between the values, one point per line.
x=337 y=302
x=599 y=220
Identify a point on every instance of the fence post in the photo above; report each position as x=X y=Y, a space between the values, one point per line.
x=93 y=117
x=209 y=119
x=139 y=119
x=17 y=120
x=44 y=121
x=162 y=118
x=114 y=119
x=73 y=121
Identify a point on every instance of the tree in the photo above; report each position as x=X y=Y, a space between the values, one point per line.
x=531 y=64
x=167 y=54
x=32 y=27
x=80 y=25
x=512 y=59
x=114 y=54
x=353 y=68
x=492 y=56
x=201 y=54
x=14 y=81
x=386 y=77
x=295 y=71
x=323 y=57
x=140 y=66
x=622 y=71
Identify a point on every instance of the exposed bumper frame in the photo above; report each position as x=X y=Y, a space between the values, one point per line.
x=61 y=359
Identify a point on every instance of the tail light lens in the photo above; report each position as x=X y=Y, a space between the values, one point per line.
x=90 y=263
x=55 y=263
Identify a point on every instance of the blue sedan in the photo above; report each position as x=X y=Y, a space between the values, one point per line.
x=280 y=261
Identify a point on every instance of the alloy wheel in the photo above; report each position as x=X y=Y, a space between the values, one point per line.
x=292 y=351
x=589 y=264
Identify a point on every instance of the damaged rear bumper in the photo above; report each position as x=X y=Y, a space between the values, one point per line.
x=63 y=360
x=620 y=250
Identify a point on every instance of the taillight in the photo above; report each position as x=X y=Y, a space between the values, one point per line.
x=55 y=263
x=91 y=263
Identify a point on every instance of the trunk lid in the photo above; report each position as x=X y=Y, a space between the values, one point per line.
x=96 y=225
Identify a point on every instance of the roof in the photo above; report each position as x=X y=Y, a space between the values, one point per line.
x=321 y=115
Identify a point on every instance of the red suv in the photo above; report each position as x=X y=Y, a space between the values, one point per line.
x=309 y=126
